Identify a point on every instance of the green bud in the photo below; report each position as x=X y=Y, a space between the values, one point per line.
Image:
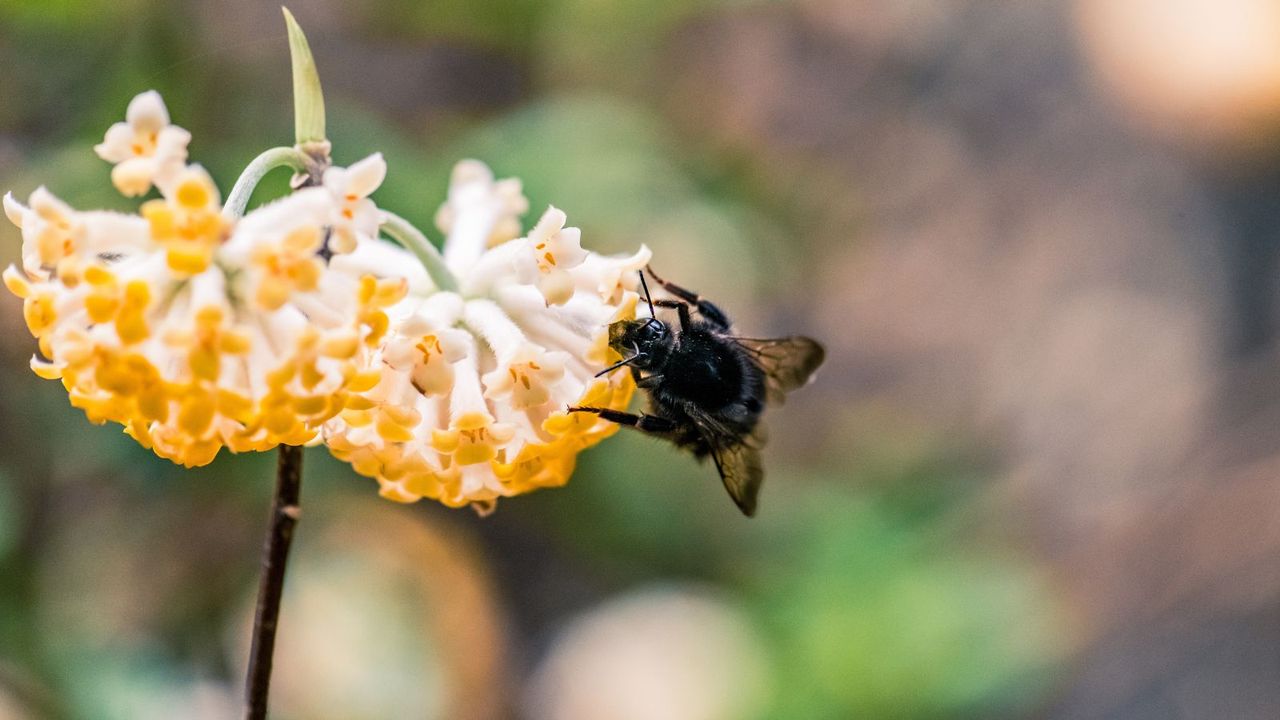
x=308 y=100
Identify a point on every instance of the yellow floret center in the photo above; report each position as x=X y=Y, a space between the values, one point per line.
x=189 y=225
x=288 y=266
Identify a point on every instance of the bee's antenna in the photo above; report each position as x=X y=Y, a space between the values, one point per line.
x=615 y=366
x=621 y=362
x=647 y=298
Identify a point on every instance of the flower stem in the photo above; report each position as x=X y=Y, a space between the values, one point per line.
x=403 y=232
x=269 y=160
x=285 y=511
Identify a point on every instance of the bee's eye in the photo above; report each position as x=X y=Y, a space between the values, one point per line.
x=651 y=330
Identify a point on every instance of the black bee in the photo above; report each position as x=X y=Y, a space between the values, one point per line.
x=707 y=388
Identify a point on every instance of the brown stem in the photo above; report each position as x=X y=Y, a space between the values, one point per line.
x=285 y=511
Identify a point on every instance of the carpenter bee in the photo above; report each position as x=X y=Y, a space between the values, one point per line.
x=707 y=387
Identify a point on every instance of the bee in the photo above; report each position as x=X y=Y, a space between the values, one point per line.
x=707 y=388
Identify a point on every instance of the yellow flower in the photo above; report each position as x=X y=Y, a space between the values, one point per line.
x=188 y=222
x=196 y=331
x=288 y=266
x=472 y=438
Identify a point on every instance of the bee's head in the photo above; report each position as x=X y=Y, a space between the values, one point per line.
x=648 y=340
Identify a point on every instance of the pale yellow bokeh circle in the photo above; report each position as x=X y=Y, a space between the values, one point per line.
x=1189 y=69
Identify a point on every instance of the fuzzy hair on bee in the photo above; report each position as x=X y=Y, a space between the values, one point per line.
x=707 y=388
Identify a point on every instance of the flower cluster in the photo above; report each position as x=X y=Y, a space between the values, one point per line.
x=471 y=404
x=296 y=324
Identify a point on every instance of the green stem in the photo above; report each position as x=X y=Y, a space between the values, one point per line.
x=415 y=242
x=269 y=160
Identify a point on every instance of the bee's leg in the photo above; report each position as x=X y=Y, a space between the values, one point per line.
x=653 y=424
x=681 y=308
x=705 y=307
x=650 y=381
x=644 y=381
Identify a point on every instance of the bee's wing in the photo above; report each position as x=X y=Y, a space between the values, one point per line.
x=737 y=458
x=788 y=363
x=742 y=473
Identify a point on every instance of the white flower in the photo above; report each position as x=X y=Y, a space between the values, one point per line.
x=145 y=148
x=197 y=331
x=526 y=376
x=355 y=216
x=53 y=233
x=479 y=207
x=475 y=384
x=545 y=259
x=425 y=346
x=548 y=254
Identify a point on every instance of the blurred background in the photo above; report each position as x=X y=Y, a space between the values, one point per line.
x=1037 y=478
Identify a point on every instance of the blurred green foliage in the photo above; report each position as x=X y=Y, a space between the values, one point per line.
x=874 y=620
x=490 y=24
